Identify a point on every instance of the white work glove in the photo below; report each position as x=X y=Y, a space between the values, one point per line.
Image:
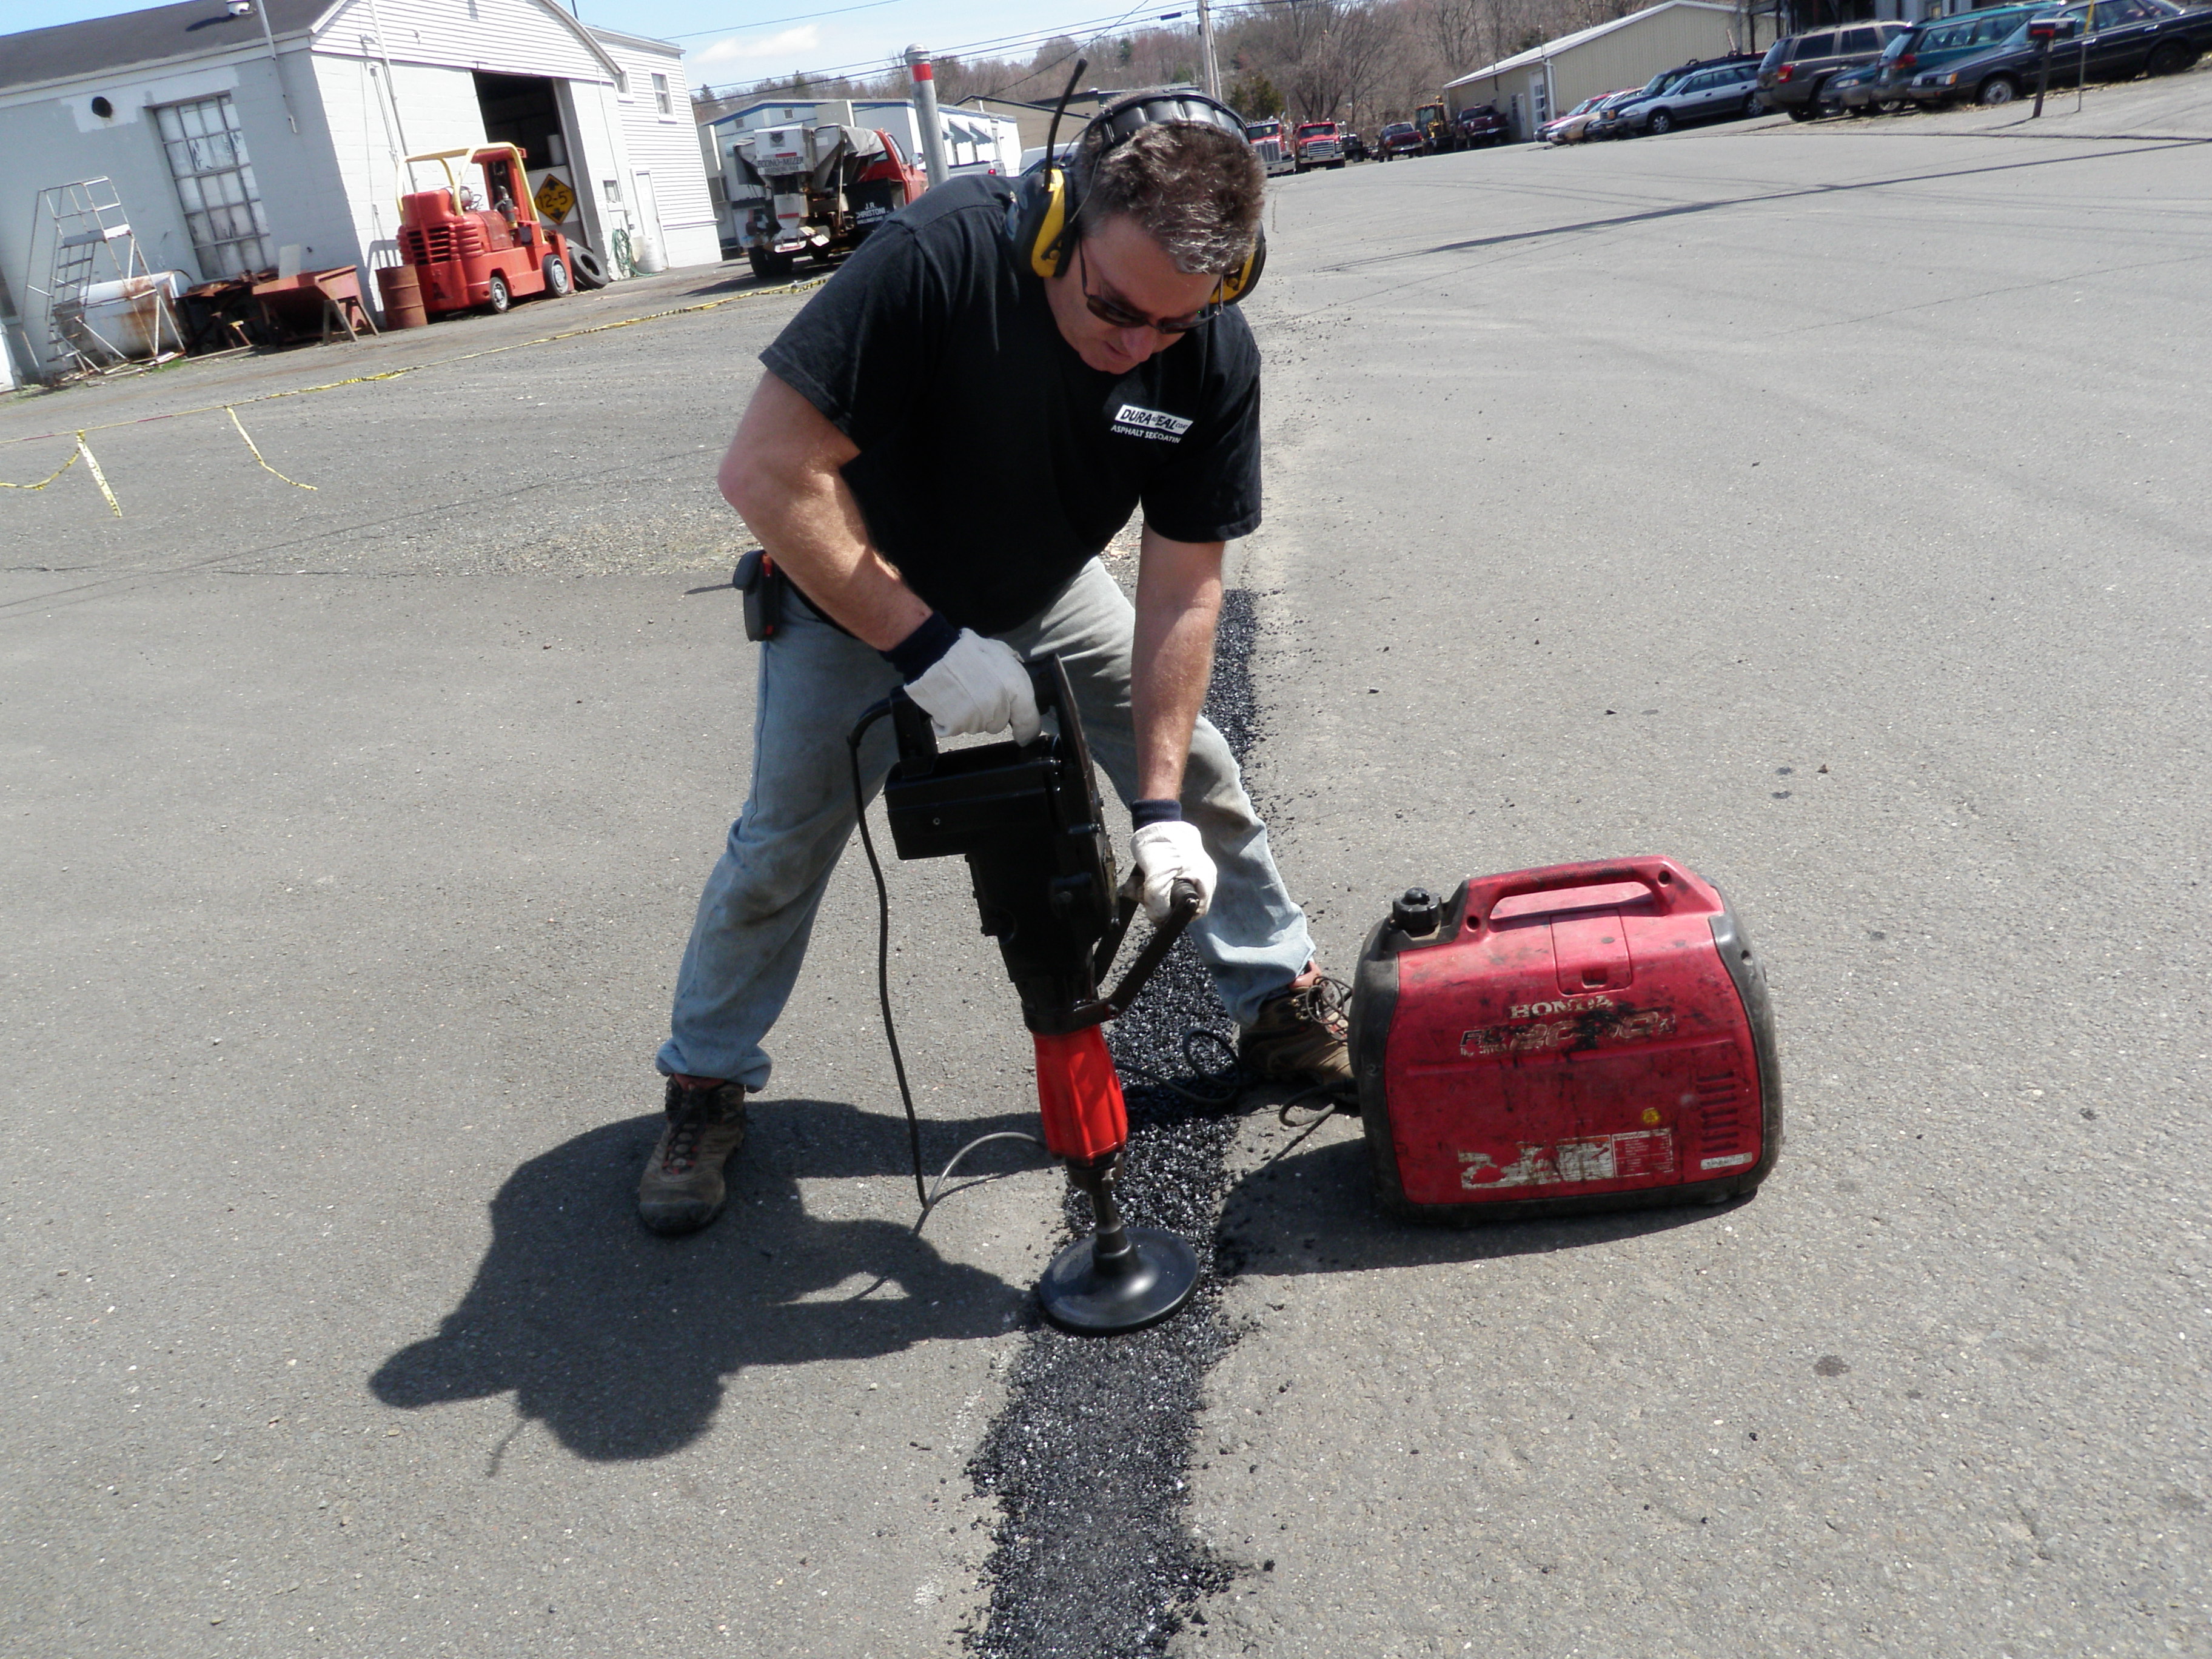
x=1166 y=854
x=979 y=685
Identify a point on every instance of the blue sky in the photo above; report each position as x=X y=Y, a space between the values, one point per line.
x=735 y=42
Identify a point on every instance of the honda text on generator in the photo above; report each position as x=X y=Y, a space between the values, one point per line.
x=488 y=248
x=827 y=188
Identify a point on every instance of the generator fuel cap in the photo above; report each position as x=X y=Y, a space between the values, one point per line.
x=1416 y=911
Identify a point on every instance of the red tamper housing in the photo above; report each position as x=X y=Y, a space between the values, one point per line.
x=1085 y=1116
x=1580 y=1038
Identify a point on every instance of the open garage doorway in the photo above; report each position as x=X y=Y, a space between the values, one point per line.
x=526 y=110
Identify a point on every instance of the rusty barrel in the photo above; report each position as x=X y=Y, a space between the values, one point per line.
x=402 y=294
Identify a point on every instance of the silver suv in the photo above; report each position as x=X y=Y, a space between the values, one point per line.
x=1713 y=92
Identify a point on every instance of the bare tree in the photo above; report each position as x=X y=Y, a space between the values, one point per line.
x=1361 y=60
x=1463 y=32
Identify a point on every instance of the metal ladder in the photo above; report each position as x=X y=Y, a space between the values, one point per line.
x=82 y=220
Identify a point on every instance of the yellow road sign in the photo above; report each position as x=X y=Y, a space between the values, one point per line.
x=555 y=199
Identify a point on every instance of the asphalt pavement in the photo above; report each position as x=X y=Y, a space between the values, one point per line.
x=355 y=837
x=1824 y=507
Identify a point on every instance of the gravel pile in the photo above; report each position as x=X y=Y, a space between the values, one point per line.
x=1094 y=1559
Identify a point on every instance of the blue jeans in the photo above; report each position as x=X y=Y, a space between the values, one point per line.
x=758 y=909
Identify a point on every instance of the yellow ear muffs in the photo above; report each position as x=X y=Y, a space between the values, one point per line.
x=1242 y=281
x=1045 y=230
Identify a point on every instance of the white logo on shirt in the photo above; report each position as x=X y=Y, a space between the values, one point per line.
x=1150 y=424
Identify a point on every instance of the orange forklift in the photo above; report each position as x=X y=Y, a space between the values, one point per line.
x=485 y=248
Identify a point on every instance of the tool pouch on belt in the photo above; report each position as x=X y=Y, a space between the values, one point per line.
x=762 y=585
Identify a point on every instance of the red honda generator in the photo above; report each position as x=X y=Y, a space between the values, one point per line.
x=1587 y=1036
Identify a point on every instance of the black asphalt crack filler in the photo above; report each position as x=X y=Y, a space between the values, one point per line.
x=1093 y=1557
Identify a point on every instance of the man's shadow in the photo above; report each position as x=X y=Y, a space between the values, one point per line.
x=619 y=1341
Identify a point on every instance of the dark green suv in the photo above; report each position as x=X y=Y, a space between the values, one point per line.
x=1922 y=48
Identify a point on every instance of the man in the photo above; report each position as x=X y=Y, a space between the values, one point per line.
x=942 y=444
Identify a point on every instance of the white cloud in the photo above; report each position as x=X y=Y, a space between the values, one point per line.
x=737 y=49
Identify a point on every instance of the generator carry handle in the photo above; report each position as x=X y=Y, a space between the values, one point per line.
x=1601 y=884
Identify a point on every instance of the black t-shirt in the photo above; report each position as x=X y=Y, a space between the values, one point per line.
x=994 y=461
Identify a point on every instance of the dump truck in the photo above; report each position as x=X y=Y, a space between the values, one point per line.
x=815 y=190
x=1318 y=145
x=1268 y=143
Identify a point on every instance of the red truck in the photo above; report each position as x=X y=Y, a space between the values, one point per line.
x=816 y=189
x=1317 y=144
x=1480 y=126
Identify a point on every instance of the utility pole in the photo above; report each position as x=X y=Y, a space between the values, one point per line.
x=1209 y=70
x=925 y=110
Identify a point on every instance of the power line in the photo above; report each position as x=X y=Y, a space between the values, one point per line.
x=888 y=63
x=771 y=22
x=1089 y=28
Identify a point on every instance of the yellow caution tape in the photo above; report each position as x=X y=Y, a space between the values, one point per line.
x=98 y=476
x=266 y=467
x=49 y=477
x=81 y=452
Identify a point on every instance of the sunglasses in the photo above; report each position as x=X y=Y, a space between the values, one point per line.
x=1116 y=315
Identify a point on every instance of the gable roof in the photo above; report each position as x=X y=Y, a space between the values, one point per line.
x=190 y=29
x=198 y=28
x=1551 y=49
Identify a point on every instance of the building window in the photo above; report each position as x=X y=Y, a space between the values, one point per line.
x=660 y=95
x=215 y=183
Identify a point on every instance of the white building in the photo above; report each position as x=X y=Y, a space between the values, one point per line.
x=234 y=127
x=974 y=140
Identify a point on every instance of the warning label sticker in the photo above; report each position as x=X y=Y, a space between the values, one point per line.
x=1596 y=1157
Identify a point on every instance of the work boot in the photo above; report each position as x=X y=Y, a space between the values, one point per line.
x=1300 y=1037
x=681 y=1189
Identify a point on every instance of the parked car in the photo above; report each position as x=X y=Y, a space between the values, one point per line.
x=1266 y=140
x=1480 y=126
x=1355 y=147
x=1852 y=92
x=1400 y=138
x=2129 y=38
x=1605 y=120
x=1569 y=128
x=1797 y=66
x=1717 y=91
x=1921 y=49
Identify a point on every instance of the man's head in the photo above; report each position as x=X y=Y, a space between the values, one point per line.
x=1167 y=215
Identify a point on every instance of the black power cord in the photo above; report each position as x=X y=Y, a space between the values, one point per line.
x=929 y=1194
x=1221 y=1086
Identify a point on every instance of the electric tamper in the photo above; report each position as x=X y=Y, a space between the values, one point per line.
x=1026 y=818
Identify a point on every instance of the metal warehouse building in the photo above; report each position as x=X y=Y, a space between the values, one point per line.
x=1532 y=87
x=232 y=129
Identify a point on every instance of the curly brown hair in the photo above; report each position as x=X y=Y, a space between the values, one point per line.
x=1197 y=191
